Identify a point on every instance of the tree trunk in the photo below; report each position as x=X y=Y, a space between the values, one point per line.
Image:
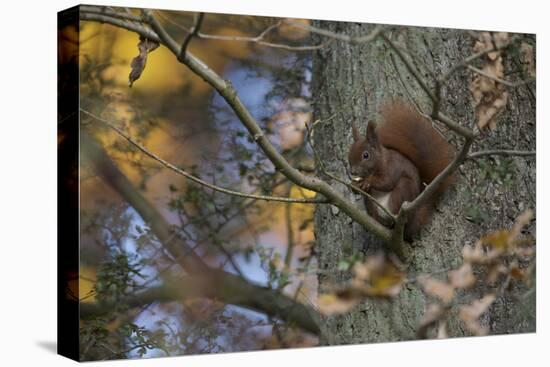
x=349 y=83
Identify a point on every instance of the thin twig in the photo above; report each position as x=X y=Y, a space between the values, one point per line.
x=504 y=152
x=467 y=61
x=501 y=81
x=194 y=31
x=196 y=179
x=432 y=187
x=259 y=39
x=377 y=31
x=229 y=94
x=103 y=10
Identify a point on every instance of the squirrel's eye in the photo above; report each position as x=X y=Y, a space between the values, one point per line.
x=366 y=155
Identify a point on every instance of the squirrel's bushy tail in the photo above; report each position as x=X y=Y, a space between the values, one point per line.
x=406 y=131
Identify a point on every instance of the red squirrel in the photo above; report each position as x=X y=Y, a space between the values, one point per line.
x=395 y=160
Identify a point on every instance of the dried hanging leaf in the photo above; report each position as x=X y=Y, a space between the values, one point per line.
x=437 y=288
x=433 y=314
x=490 y=96
x=138 y=63
x=470 y=314
x=463 y=277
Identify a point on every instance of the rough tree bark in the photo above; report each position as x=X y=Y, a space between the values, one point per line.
x=349 y=83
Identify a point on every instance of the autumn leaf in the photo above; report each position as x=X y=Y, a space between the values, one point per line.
x=470 y=314
x=521 y=221
x=463 y=277
x=499 y=240
x=478 y=255
x=138 y=63
x=294 y=29
x=332 y=303
x=490 y=96
x=437 y=288
x=433 y=314
x=495 y=271
x=378 y=277
x=505 y=240
x=528 y=58
x=516 y=272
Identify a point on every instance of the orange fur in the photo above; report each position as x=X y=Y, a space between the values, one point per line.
x=406 y=131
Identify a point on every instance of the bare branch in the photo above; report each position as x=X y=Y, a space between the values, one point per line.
x=259 y=39
x=432 y=187
x=104 y=10
x=226 y=90
x=504 y=152
x=194 y=31
x=140 y=29
x=501 y=81
x=467 y=61
x=196 y=179
x=206 y=281
x=377 y=31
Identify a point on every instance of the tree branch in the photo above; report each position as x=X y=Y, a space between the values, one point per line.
x=506 y=83
x=206 y=281
x=196 y=179
x=259 y=39
x=194 y=31
x=407 y=207
x=504 y=152
x=226 y=90
x=377 y=31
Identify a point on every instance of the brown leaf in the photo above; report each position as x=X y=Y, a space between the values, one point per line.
x=498 y=239
x=463 y=277
x=528 y=58
x=138 y=63
x=289 y=30
x=470 y=314
x=521 y=221
x=433 y=314
x=477 y=255
x=331 y=304
x=516 y=272
x=378 y=277
x=495 y=271
x=490 y=96
x=437 y=288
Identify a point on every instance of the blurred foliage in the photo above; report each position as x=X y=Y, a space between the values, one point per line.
x=178 y=117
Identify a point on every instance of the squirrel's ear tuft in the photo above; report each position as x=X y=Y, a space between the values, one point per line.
x=355 y=132
x=372 y=138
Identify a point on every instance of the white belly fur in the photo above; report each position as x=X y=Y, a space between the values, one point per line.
x=384 y=199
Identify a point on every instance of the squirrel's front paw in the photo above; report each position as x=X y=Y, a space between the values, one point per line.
x=364 y=185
